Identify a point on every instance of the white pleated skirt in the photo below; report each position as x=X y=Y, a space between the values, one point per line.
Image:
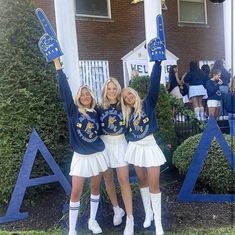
x=88 y=165
x=197 y=90
x=115 y=148
x=145 y=153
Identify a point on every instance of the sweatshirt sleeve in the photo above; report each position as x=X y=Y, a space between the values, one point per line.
x=154 y=87
x=65 y=93
x=187 y=78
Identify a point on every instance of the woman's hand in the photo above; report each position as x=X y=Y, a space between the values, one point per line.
x=57 y=64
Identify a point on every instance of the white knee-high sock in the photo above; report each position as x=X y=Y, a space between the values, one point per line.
x=73 y=215
x=197 y=112
x=94 y=203
x=202 y=113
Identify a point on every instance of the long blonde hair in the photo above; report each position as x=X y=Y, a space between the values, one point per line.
x=81 y=107
x=126 y=109
x=104 y=103
x=232 y=88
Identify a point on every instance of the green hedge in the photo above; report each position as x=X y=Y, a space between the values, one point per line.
x=217 y=173
x=28 y=95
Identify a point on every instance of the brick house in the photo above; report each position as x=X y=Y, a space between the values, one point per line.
x=194 y=30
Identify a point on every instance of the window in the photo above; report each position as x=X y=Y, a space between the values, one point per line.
x=93 y=8
x=192 y=11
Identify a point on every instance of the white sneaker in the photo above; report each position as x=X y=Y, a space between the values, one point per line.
x=129 y=229
x=94 y=226
x=117 y=218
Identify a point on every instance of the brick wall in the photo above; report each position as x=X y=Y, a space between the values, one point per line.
x=112 y=39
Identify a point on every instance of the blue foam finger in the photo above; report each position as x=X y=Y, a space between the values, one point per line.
x=45 y=22
x=50 y=47
x=160 y=28
x=156 y=50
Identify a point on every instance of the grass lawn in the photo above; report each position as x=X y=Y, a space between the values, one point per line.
x=220 y=231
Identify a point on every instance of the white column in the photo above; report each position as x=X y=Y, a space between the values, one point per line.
x=66 y=32
x=151 y=9
x=229 y=34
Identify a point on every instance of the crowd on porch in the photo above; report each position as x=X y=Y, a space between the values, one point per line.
x=208 y=91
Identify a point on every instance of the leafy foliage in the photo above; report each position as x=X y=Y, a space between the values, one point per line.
x=28 y=94
x=217 y=173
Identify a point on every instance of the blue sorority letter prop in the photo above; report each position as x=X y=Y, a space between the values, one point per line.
x=48 y=43
x=156 y=47
x=23 y=182
x=212 y=130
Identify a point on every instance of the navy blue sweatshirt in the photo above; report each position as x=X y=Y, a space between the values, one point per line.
x=194 y=78
x=213 y=90
x=138 y=129
x=229 y=102
x=111 y=120
x=83 y=129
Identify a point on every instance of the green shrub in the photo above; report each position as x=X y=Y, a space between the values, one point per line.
x=28 y=94
x=217 y=173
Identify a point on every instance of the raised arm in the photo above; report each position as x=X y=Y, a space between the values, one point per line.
x=64 y=89
x=154 y=86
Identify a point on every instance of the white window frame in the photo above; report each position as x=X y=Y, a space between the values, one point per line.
x=190 y=22
x=97 y=16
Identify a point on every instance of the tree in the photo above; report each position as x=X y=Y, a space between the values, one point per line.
x=28 y=94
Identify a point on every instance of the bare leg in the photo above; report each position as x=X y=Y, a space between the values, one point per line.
x=77 y=187
x=123 y=178
x=141 y=173
x=212 y=111
x=217 y=111
x=95 y=184
x=153 y=179
x=110 y=188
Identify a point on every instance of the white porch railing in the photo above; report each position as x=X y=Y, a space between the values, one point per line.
x=94 y=73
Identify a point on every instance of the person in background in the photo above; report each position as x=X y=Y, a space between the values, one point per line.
x=113 y=129
x=174 y=82
x=89 y=158
x=214 y=93
x=195 y=80
x=224 y=87
x=143 y=151
x=206 y=70
x=229 y=105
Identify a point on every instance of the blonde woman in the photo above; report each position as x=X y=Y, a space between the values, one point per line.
x=143 y=151
x=112 y=133
x=89 y=156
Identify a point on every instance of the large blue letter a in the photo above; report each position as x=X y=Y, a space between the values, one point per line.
x=23 y=182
